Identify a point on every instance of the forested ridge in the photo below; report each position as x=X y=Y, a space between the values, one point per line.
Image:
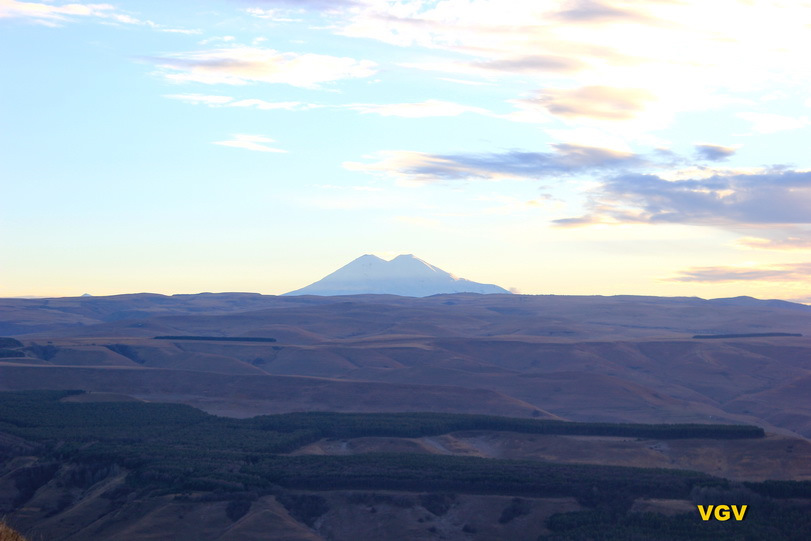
x=40 y=414
x=217 y=338
x=176 y=449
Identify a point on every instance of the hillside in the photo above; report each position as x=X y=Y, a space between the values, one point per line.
x=77 y=469
x=629 y=359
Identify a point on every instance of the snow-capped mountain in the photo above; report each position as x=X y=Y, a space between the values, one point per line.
x=404 y=275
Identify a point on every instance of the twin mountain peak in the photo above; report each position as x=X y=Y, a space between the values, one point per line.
x=404 y=275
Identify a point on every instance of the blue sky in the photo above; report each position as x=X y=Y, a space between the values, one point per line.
x=653 y=147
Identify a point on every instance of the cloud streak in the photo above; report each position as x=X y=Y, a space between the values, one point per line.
x=228 y=101
x=530 y=64
x=424 y=109
x=244 y=65
x=422 y=168
x=257 y=143
x=790 y=241
x=428 y=108
x=590 y=11
x=326 y=5
x=59 y=15
x=714 y=153
x=791 y=272
x=598 y=60
x=598 y=102
x=52 y=15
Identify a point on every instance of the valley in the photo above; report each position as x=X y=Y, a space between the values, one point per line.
x=531 y=359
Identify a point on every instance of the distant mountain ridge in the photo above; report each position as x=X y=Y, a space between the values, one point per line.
x=745 y=300
x=404 y=275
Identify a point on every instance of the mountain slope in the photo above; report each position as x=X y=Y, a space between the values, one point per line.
x=404 y=275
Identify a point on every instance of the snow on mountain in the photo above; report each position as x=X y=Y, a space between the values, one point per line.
x=404 y=275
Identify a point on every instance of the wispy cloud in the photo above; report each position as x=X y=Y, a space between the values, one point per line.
x=57 y=15
x=601 y=102
x=591 y=11
x=201 y=99
x=272 y=15
x=424 y=109
x=260 y=13
x=257 y=143
x=465 y=82
x=217 y=39
x=264 y=105
x=243 y=65
x=228 y=101
x=775 y=241
x=326 y=5
x=768 y=197
x=597 y=60
x=530 y=64
x=714 y=152
x=428 y=108
x=791 y=272
x=419 y=167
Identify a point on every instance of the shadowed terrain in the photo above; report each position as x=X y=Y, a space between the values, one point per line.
x=530 y=358
x=100 y=466
x=626 y=358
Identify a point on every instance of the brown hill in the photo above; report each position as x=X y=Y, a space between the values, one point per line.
x=249 y=395
x=774 y=457
x=9 y=534
x=583 y=358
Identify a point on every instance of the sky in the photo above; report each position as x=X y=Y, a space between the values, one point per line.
x=572 y=147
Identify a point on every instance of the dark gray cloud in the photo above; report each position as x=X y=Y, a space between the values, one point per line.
x=565 y=159
x=774 y=197
x=779 y=273
x=714 y=152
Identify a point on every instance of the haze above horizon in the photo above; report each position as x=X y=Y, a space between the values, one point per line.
x=563 y=147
